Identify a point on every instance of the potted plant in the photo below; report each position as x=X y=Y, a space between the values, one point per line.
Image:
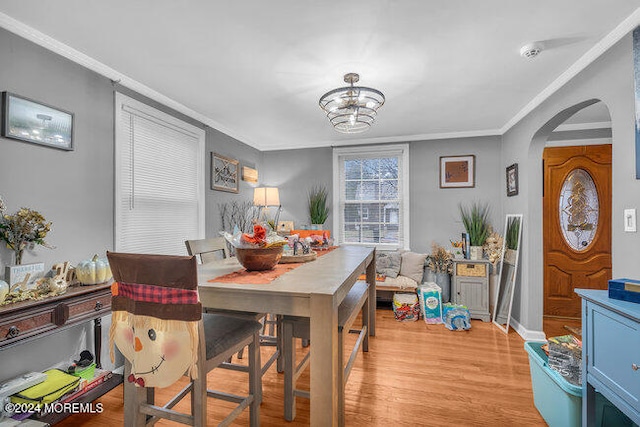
x=318 y=209
x=439 y=262
x=476 y=223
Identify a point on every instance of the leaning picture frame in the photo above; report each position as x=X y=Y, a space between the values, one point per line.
x=512 y=180
x=457 y=171
x=32 y=121
x=224 y=173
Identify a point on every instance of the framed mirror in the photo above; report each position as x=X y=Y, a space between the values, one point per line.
x=508 y=271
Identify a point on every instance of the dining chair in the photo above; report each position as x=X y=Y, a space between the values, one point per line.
x=159 y=326
x=356 y=301
x=213 y=250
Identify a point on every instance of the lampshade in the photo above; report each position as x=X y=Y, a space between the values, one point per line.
x=352 y=109
x=266 y=196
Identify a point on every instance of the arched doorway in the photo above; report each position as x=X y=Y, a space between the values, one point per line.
x=576 y=213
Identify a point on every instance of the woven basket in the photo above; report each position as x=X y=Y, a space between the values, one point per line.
x=471 y=270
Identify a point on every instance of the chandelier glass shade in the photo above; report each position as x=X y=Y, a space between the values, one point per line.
x=352 y=109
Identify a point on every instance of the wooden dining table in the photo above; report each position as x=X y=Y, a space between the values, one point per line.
x=313 y=290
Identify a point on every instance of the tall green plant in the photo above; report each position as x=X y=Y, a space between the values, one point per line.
x=476 y=222
x=513 y=231
x=318 y=209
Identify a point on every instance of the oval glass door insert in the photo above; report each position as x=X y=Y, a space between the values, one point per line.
x=579 y=209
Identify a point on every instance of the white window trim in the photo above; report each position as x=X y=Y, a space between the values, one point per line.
x=124 y=102
x=377 y=150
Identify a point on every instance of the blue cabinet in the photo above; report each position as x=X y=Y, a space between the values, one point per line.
x=610 y=354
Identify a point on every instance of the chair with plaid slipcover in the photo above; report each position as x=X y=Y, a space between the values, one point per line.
x=159 y=327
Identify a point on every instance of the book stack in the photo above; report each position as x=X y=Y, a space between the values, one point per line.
x=565 y=357
x=99 y=377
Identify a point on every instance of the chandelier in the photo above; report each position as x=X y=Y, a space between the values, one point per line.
x=352 y=109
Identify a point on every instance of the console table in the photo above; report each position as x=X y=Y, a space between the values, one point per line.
x=610 y=354
x=29 y=320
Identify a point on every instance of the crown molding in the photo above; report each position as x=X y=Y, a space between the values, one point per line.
x=41 y=39
x=23 y=30
x=582 y=126
x=390 y=139
x=626 y=26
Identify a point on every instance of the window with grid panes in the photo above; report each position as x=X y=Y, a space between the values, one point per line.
x=371 y=196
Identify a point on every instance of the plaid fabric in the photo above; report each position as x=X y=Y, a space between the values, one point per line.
x=156 y=294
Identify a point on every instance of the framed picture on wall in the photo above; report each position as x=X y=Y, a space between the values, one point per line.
x=224 y=173
x=457 y=171
x=32 y=121
x=512 y=180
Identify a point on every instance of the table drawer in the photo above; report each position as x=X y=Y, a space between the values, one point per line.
x=47 y=317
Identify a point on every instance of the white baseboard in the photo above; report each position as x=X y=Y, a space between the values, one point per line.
x=526 y=334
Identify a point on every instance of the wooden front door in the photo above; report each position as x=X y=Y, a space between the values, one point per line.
x=576 y=225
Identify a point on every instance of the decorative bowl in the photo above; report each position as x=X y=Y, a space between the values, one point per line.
x=259 y=259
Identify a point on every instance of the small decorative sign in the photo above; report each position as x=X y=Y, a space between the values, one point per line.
x=17 y=273
x=249 y=174
x=224 y=173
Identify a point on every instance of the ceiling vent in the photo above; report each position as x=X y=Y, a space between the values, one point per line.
x=530 y=50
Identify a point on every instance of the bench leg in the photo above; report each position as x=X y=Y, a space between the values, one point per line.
x=289 y=356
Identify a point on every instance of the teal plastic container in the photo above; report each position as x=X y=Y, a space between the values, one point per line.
x=560 y=402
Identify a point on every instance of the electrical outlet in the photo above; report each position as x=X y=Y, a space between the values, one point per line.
x=630 y=220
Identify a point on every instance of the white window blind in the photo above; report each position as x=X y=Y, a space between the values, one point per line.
x=371 y=195
x=159 y=180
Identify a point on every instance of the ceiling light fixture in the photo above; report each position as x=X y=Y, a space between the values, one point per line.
x=352 y=109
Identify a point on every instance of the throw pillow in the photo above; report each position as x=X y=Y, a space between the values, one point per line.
x=388 y=263
x=412 y=265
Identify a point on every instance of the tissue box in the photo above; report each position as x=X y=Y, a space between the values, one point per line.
x=625 y=290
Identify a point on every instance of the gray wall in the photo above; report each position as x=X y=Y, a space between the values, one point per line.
x=609 y=79
x=75 y=190
x=434 y=211
x=295 y=172
x=435 y=214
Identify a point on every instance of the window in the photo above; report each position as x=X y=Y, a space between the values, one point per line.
x=371 y=195
x=159 y=180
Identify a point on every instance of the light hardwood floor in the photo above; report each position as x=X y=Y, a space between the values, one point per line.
x=414 y=374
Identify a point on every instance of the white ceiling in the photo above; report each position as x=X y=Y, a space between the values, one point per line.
x=255 y=69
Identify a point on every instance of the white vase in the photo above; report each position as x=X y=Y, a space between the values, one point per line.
x=317 y=226
x=475 y=253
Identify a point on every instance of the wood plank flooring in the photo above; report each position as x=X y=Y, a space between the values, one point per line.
x=414 y=374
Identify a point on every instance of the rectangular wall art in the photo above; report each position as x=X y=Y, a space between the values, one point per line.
x=457 y=171
x=34 y=122
x=224 y=173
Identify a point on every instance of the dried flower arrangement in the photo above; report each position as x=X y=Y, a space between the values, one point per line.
x=23 y=229
x=439 y=261
x=493 y=247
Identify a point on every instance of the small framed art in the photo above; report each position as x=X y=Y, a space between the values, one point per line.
x=512 y=180
x=224 y=173
x=457 y=171
x=32 y=121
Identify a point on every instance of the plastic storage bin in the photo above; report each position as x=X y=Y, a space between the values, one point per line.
x=560 y=402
